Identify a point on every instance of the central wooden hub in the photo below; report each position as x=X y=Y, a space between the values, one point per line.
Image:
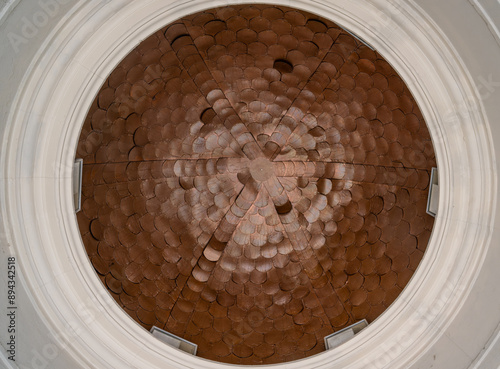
x=261 y=169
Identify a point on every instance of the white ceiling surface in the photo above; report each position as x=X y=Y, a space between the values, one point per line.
x=470 y=340
x=472 y=27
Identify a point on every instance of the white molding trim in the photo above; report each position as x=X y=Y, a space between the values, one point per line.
x=44 y=126
x=6 y=7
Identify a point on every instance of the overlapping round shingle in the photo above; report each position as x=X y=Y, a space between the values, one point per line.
x=254 y=179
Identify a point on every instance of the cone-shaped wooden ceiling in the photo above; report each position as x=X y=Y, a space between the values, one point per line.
x=255 y=178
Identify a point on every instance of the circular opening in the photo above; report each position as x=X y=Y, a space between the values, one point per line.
x=283 y=66
x=250 y=212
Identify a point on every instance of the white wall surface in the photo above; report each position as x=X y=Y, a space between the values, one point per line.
x=37 y=347
x=472 y=28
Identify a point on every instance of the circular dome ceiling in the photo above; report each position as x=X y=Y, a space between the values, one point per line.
x=255 y=179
